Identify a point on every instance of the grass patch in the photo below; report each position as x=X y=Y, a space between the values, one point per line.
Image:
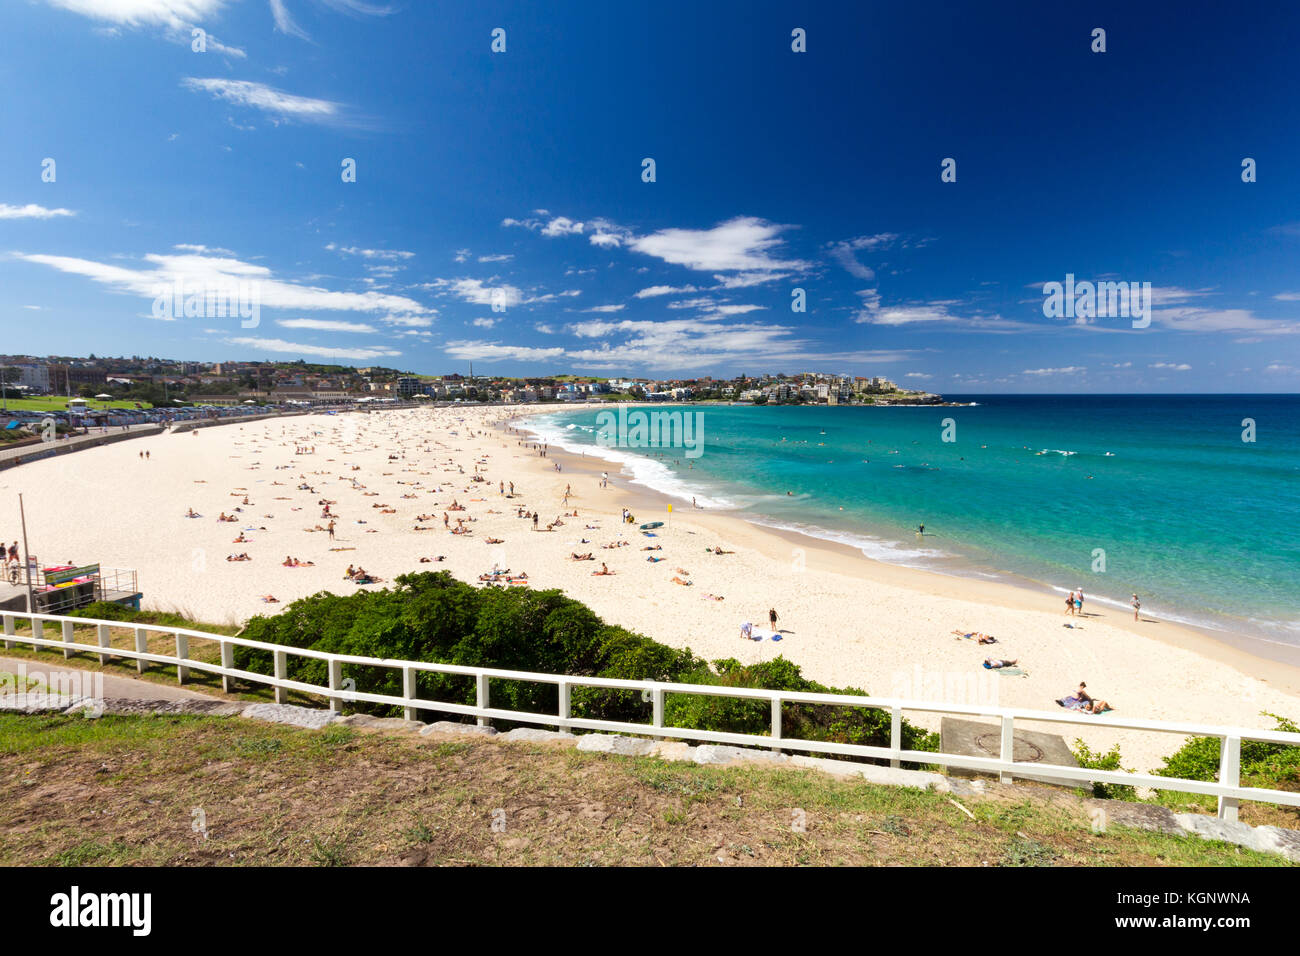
x=124 y=790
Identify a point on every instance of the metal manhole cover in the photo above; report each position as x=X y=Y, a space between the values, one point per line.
x=1024 y=751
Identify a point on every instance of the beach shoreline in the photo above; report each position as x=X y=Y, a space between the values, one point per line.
x=1258 y=657
x=847 y=621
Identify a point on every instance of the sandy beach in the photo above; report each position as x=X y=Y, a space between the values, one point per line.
x=389 y=477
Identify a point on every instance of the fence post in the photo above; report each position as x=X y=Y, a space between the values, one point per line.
x=9 y=630
x=182 y=653
x=38 y=632
x=105 y=640
x=1007 y=750
x=1229 y=775
x=566 y=705
x=227 y=660
x=896 y=734
x=409 y=691
x=281 y=672
x=658 y=696
x=67 y=638
x=141 y=647
x=481 y=698
x=776 y=722
x=336 y=683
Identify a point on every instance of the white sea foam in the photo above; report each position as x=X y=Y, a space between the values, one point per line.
x=878 y=549
x=644 y=471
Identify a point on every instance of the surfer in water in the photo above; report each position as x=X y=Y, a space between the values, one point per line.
x=920 y=531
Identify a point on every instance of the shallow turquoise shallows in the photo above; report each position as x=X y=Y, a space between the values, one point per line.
x=1115 y=494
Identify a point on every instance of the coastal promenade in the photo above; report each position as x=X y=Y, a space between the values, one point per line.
x=11 y=457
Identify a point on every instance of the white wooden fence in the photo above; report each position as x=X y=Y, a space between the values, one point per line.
x=1227 y=789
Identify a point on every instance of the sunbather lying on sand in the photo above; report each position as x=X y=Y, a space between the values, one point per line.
x=993 y=663
x=1082 y=700
x=677 y=580
x=582 y=557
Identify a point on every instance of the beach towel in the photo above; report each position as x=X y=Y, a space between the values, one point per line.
x=1009 y=672
x=1074 y=703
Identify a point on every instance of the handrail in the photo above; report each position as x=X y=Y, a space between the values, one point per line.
x=1227 y=788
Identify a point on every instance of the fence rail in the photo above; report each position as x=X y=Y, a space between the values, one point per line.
x=1227 y=789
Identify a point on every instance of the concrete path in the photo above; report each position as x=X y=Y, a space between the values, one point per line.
x=114 y=686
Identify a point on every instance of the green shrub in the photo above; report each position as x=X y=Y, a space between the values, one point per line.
x=1275 y=766
x=435 y=618
x=1095 y=760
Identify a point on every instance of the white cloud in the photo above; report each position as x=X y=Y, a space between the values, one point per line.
x=31 y=211
x=284 y=22
x=917 y=375
x=562 y=226
x=296 y=348
x=266 y=98
x=484 y=323
x=1067 y=370
x=656 y=290
x=743 y=244
x=504 y=257
x=1171 y=366
x=201 y=272
x=478 y=351
x=605 y=308
x=370 y=253
x=325 y=325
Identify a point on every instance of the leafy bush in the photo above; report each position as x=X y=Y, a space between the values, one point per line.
x=1095 y=760
x=1275 y=766
x=435 y=618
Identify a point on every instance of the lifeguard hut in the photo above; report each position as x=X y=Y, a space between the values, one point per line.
x=58 y=589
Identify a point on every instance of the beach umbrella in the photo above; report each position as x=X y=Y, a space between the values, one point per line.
x=102 y=396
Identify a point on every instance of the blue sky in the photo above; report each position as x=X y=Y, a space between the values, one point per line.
x=521 y=171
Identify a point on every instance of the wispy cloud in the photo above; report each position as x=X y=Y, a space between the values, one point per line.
x=268 y=99
x=31 y=211
x=177 y=18
x=194 y=271
x=324 y=351
x=325 y=325
x=393 y=254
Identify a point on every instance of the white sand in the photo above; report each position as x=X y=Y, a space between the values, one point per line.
x=849 y=621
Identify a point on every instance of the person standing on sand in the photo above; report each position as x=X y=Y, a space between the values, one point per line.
x=771 y=616
x=1069 y=604
x=1137 y=606
x=330 y=529
x=534 y=521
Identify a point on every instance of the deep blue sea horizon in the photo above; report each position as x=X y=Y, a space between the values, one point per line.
x=1158 y=494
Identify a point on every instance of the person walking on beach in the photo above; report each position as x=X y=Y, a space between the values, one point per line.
x=534 y=521
x=1137 y=606
x=771 y=616
x=1078 y=602
x=330 y=529
x=1069 y=604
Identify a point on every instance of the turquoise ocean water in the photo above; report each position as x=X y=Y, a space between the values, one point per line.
x=1203 y=525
